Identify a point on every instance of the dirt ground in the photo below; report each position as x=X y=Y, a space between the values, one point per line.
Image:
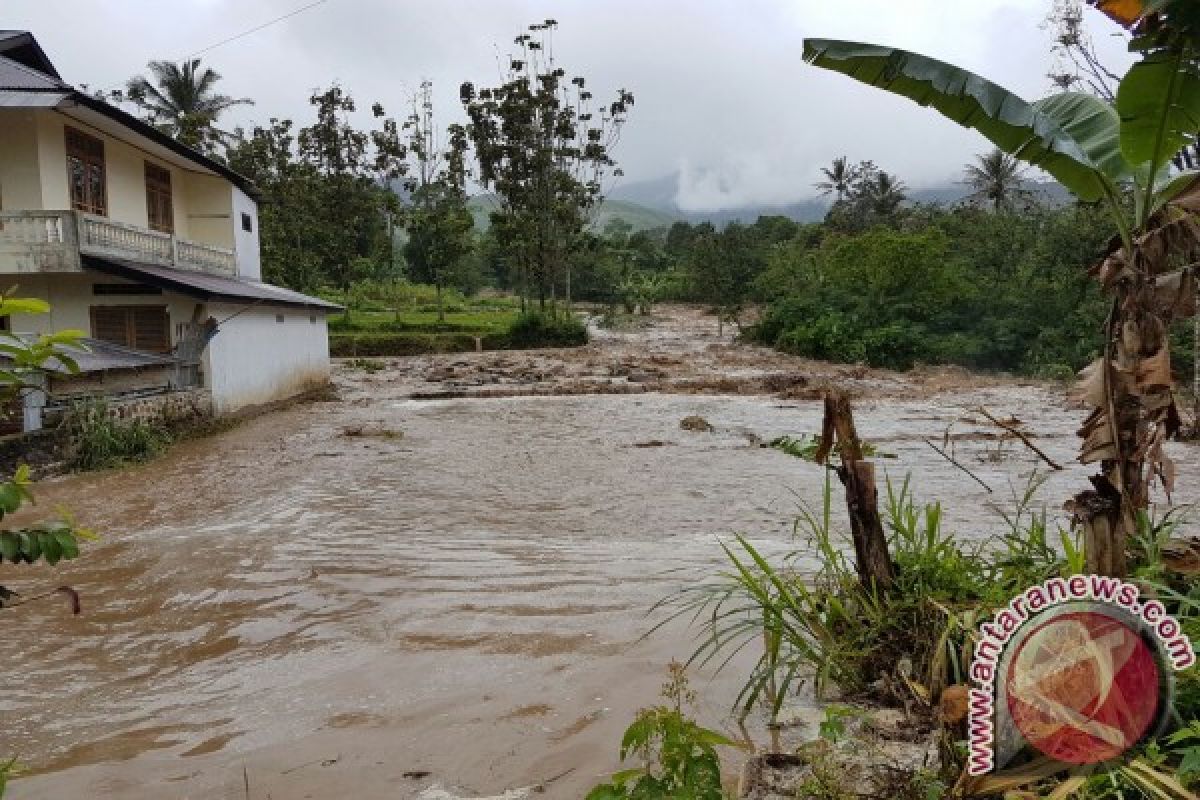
x=440 y=583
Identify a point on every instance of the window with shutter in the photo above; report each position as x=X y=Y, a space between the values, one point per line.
x=85 y=173
x=159 y=209
x=140 y=327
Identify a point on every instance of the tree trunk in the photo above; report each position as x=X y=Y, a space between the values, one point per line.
x=441 y=307
x=875 y=569
x=1130 y=390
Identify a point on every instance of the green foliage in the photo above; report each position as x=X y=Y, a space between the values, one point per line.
x=180 y=100
x=344 y=345
x=437 y=220
x=327 y=215
x=543 y=149
x=7 y=770
x=537 y=329
x=826 y=628
x=982 y=290
x=100 y=441
x=48 y=541
x=805 y=447
x=680 y=757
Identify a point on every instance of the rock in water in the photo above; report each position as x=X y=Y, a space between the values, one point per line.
x=696 y=423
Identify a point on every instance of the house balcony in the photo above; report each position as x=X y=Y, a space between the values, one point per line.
x=53 y=241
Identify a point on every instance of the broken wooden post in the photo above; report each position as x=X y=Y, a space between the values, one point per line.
x=874 y=564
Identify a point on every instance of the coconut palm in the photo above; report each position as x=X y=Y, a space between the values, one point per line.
x=180 y=100
x=1099 y=152
x=882 y=193
x=997 y=179
x=839 y=177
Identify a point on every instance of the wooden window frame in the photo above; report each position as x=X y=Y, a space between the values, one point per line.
x=130 y=328
x=159 y=197
x=89 y=151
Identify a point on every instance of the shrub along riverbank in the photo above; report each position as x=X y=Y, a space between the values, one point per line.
x=406 y=319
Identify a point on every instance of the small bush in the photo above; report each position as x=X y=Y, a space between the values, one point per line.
x=536 y=329
x=98 y=441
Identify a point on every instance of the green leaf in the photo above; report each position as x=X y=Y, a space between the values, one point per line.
x=1094 y=126
x=10 y=498
x=1159 y=106
x=51 y=549
x=1077 y=157
x=33 y=548
x=66 y=540
x=22 y=305
x=1190 y=764
x=10 y=546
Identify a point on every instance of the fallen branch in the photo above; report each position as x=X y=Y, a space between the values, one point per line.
x=71 y=595
x=950 y=458
x=1015 y=432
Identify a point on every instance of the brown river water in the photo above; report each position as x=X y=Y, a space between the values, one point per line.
x=374 y=595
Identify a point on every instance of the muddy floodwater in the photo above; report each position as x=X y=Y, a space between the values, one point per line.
x=444 y=575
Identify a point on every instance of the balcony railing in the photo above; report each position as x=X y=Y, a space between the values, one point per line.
x=52 y=241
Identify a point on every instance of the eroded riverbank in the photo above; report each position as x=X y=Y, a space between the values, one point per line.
x=455 y=592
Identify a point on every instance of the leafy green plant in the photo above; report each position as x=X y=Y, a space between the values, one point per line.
x=680 y=757
x=100 y=441
x=537 y=329
x=368 y=364
x=805 y=447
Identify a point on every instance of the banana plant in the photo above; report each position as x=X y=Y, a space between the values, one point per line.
x=1119 y=156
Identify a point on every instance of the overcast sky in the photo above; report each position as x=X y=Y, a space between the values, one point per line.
x=723 y=96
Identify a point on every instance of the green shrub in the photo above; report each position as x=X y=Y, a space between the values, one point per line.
x=99 y=441
x=346 y=345
x=679 y=757
x=535 y=329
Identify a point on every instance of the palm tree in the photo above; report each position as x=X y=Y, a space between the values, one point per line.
x=839 y=177
x=181 y=102
x=998 y=179
x=883 y=193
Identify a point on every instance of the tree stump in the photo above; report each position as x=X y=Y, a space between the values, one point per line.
x=874 y=564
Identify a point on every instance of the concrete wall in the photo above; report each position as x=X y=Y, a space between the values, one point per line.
x=210 y=209
x=249 y=257
x=20 y=181
x=255 y=358
x=70 y=297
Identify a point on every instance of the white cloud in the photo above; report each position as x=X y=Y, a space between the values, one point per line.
x=721 y=87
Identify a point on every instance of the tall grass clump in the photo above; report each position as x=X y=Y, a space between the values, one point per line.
x=99 y=441
x=811 y=619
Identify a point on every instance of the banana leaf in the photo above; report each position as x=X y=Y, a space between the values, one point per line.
x=1073 y=136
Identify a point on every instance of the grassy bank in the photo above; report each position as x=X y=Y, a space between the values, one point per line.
x=408 y=333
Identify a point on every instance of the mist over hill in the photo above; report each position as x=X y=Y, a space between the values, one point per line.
x=661 y=195
x=654 y=204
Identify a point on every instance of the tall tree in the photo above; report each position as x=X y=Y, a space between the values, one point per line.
x=181 y=100
x=437 y=219
x=882 y=193
x=998 y=179
x=839 y=178
x=328 y=209
x=544 y=153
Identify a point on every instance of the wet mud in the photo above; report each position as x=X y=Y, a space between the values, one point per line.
x=444 y=577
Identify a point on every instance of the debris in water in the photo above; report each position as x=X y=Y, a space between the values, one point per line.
x=696 y=423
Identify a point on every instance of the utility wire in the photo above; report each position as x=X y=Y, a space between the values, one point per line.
x=258 y=28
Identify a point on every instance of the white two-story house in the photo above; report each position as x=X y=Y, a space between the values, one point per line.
x=149 y=247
